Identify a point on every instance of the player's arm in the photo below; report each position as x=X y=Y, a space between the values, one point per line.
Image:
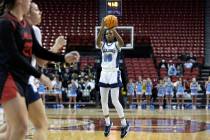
x=120 y=42
x=59 y=43
x=45 y=54
x=42 y=53
x=100 y=34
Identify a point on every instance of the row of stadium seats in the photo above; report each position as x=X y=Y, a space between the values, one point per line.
x=169 y=24
x=72 y=18
x=86 y=61
x=144 y=67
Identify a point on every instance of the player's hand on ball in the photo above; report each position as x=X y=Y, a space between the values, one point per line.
x=113 y=29
x=103 y=23
x=46 y=81
x=72 y=57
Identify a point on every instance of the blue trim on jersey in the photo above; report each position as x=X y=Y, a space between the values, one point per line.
x=117 y=47
x=118 y=79
x=117 y=60
x=110 y=85
x=118 y=56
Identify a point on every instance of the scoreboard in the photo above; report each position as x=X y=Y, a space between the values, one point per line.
x=114 y=7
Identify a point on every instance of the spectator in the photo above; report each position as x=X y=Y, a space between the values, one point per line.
x=172 y=70
x=191 y=58
x=72 y=93
x=130 y=91
x=188 y=64
x=179 y=70
x=163 y=64
x=183 y=57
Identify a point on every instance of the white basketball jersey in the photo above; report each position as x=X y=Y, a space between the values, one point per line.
x=110 y=56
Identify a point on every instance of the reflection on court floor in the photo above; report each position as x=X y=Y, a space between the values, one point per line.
x=87 y=124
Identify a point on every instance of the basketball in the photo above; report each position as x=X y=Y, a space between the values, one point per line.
x=111 y=21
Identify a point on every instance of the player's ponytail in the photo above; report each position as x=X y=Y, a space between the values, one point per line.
x=2 y=7
x=6 y=5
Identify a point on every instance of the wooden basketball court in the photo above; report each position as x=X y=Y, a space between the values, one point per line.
x=87 y=124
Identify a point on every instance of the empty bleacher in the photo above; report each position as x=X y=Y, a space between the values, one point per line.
x=144 y=67
x=173 y=26
x=75 y=19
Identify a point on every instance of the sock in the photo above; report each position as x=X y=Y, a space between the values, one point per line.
x=123 y=121
x=107 y=120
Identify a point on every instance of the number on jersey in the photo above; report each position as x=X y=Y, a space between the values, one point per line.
x=107 y=57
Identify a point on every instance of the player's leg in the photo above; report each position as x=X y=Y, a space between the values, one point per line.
x=193 y=102
x=117 y=105
x=178 y=100
x=182 y=100
x=17 y=117
x=207 y=100
x=4 y=132
x=104 y=92
x=170 y=99
x=115 y=100
x=148 y=97
x=167 y=101
x=70 y=101
x=139 y=98
x=60 y=98
x=75 y=102
x=160 y=98
x=43 y=97
x=3 y=128
x=38 y=117
x=129 y=99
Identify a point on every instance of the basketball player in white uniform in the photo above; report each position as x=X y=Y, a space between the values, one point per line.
x=110 y=78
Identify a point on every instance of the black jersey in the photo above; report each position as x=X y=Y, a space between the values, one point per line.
x=17 y=44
